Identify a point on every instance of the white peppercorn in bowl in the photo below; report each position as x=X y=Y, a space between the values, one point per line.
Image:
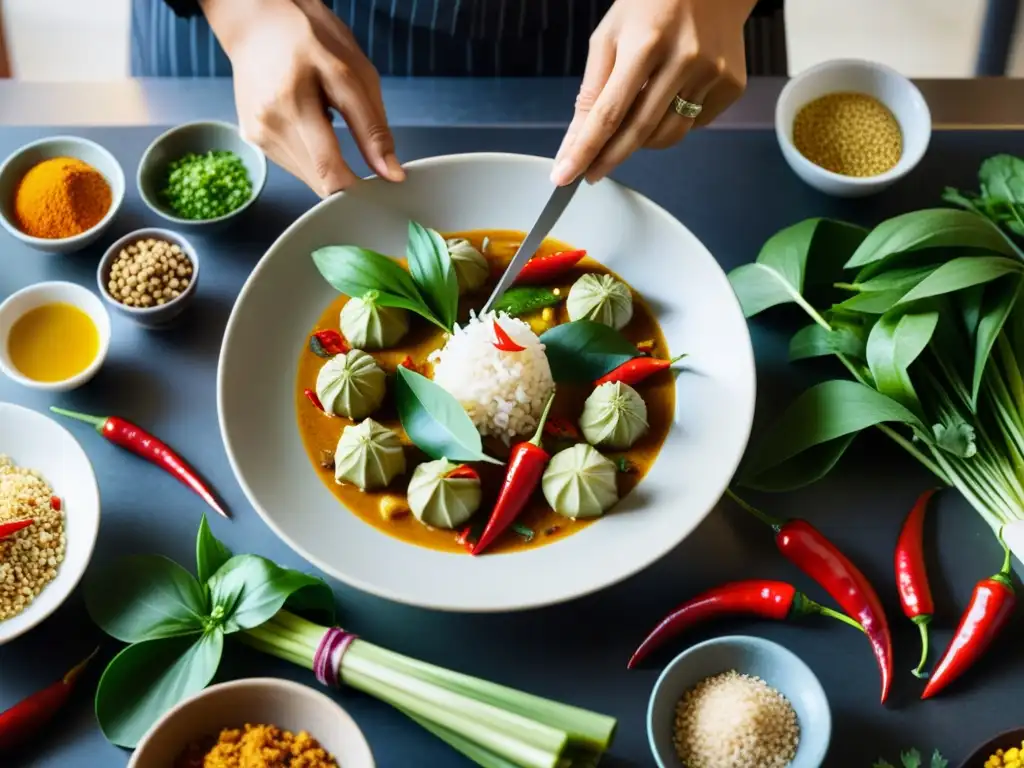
x=149 y=276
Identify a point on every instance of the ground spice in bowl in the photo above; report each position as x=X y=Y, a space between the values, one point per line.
x=30 y=557
x=257 y=746
x=731 y=719
x=852 y=134
x=61 y=197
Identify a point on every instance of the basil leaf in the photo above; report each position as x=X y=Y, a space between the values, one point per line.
x=815 y=341
x=1002 y=179
x=144 y=597
x=803 y=469
x=354 y=271
x=432 y=271
x=931 y=228
x=249 y=590
x=210 y=553
x=522 y=299
x=583 y=350
x=875 y=303
x=435 y=421
x=999 y=300
x=795 y=261
x=147 y=679
x=899 y=279
x=962 y=273
x=828 y=411
x=895 y=342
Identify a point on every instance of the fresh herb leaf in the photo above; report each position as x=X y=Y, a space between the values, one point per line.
x=963 y=273
x=875 y=303
x=435 y=421
x=210 y=553
x=956 y=438
x=354 y=271
x=911 y=758
x=248 y=590
x=431 y=268
x=824 y=418
x=523 y=531
x=998 y=301
x=900 y=279
x=895 y=342
x=938 y=761
x=1002 y=179
x=816 y=341
x=883 y=764
x=520 y=300
x=144 y=597
x=932 y=228
x=147 y=679
x=797 y=259
x=583 y=350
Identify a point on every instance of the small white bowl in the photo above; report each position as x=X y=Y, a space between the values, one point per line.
x=22 y=160
x=149 y=317
x=35 y=441
x=20 y=302
x=258 y=701
x=884 y=83
x=198 y=137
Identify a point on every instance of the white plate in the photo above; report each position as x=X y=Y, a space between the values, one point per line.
x=35 y=441
x=285 y=295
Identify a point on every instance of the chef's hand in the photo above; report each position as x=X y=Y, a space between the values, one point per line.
x=642 y=54
x=292 y=61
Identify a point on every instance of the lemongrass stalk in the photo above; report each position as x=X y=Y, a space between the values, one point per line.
x=584 y=727
x=520 y=753
x=257 y=642
x=474 y=752
x=968 y=493
x=1014 y=379
x=288 y=645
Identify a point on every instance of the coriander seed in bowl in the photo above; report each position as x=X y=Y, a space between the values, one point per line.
x=149 y=276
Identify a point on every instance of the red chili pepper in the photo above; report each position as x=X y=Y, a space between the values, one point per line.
x=331 y=342
x=808 y=549
x=526 y=464
x=135 y=439
x=636 y=370
x=8 y=529
x=505 y=342
x=28 y=716
x=543 y=269
x=55 y=503
x=312 y=396
x=912 y=575
x=991 y=604
x=560 y=428
x=408 y=363
x=767 y=599
x=463 y=472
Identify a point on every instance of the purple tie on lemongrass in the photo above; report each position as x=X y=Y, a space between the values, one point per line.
x=327 y=659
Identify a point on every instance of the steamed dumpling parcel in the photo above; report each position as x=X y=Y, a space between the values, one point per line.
x=580 y=482
x=614 y=416
x=367 y=325
x=369 y=456
x=600 y=298
x=442 y=501
x=471 y=266
x=351 y=385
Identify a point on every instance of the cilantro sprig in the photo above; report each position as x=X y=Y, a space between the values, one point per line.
x=912 y=759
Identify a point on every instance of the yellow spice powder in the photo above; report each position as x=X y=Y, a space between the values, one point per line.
x=266 y=746
x=848 y=133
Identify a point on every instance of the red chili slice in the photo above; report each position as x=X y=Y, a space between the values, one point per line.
x=314 y=399
x=332 y=342
x=504 y=342
x=463 y=472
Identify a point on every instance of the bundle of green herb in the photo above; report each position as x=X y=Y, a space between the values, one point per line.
x=923 y=312
x=912 y=759
x=176 y=624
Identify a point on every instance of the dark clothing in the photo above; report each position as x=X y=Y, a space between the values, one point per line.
x=511 y=38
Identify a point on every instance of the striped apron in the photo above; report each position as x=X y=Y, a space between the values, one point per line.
x=444 y=38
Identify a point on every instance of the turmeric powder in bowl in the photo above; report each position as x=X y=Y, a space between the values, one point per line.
x=849 y=133
x=61 y=197
x=258 y=746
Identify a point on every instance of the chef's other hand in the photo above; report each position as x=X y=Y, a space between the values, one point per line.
x=642 y=55
x=292 y=61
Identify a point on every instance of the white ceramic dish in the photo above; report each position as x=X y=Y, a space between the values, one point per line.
x=27 y=299
x=23 y=159
x=266 y=701
x=887 y=85
x=35 y=441
x=285 y=295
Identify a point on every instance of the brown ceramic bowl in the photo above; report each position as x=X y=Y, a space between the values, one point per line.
x=262 y=700
x=1004 y=740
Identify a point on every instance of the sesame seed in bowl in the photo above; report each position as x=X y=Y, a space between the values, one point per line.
x=149 y=276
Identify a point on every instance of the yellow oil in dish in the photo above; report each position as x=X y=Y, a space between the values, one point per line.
x=53 y=342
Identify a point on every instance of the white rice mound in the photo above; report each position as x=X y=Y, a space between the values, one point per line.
x=503 y=392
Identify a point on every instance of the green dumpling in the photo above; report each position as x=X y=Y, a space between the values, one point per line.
x=368 y=456
x=368 y=325
x=351 y=385
x=600 y=298
x=614 y=416
x=442 y=501
x=580 y=483
x=471 y=267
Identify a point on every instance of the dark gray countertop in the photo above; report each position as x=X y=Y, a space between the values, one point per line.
x=733 y=190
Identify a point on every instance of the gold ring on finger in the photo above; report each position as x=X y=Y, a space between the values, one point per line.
x=685 y=108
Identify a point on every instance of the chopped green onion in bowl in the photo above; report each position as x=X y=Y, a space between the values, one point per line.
x=206 y=186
